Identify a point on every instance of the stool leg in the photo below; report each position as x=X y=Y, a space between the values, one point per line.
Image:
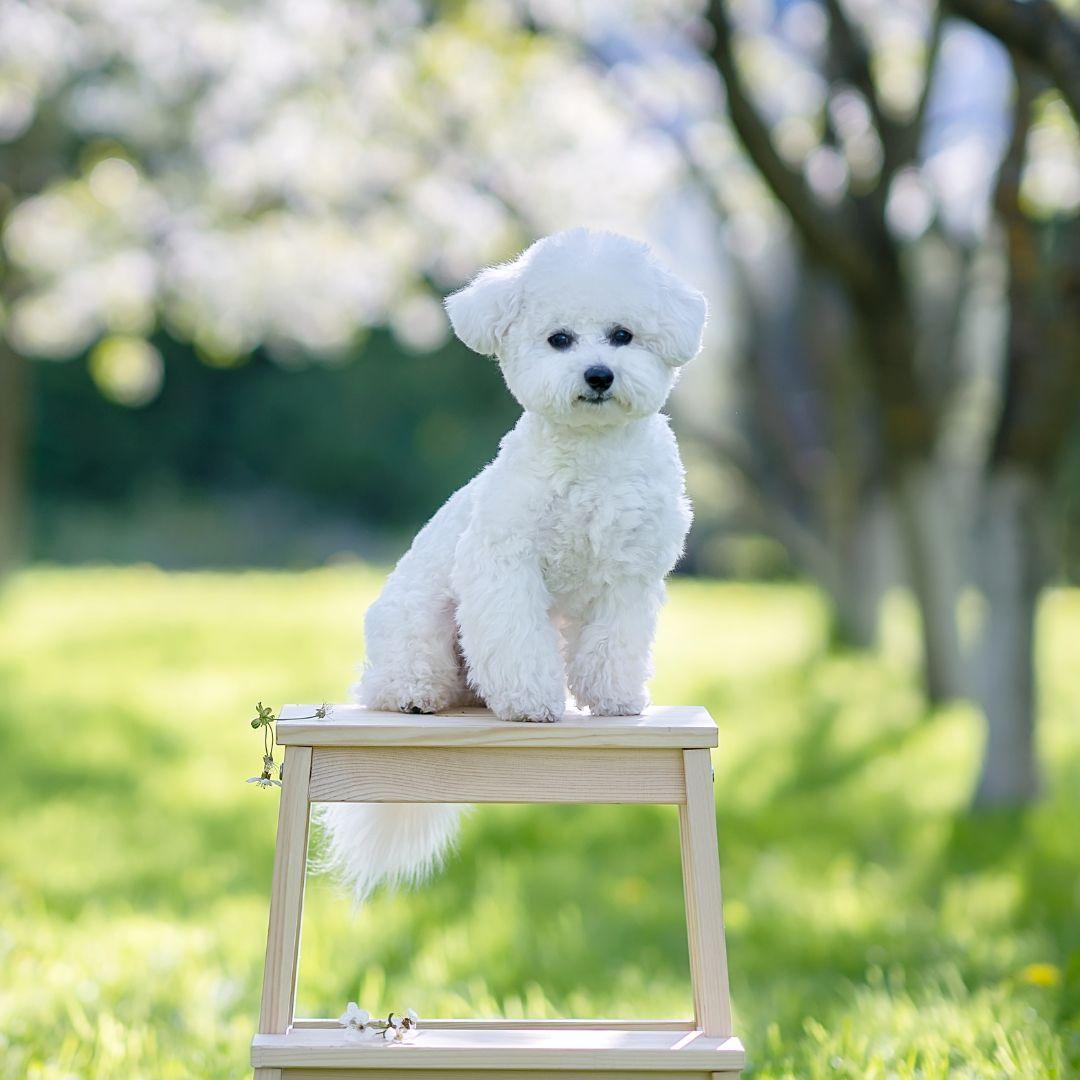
x=286 y=899
x=704 y=906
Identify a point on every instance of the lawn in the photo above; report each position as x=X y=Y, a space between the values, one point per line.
x=877 y=929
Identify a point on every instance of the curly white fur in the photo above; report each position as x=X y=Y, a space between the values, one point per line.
x=547 y=569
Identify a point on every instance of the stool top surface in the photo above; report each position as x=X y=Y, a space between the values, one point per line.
x=672 y=726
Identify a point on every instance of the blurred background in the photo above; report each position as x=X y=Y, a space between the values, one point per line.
x=229 y=396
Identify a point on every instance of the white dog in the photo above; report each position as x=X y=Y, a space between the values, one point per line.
x=547 y=569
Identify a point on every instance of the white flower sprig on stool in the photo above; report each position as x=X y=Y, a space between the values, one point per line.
x=401 y=1028
x=265 y=720
x=359 y=1025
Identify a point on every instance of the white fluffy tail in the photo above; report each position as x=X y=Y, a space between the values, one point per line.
x=368 y=844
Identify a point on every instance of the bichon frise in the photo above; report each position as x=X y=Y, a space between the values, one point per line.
x=547 y=570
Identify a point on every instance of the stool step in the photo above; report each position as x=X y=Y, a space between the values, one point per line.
x=522 y=1048
x=682 y=727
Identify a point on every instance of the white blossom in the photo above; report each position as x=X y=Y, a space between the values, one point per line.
x=264 y=781
x=357 y=1022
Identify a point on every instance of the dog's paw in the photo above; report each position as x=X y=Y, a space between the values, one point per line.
x=530 y=712
x=421 y=703
x=632 y=706
x=544 y=716
x=412 y=697
x=527 y=705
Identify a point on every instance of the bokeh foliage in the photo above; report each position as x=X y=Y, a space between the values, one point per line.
x=376 y=442
x=877 y=928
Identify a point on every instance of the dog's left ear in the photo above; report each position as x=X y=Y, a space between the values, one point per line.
x=681 y=316
x=482 y=312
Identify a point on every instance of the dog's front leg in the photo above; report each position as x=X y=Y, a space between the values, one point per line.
x=508 y=640
x=610 y=649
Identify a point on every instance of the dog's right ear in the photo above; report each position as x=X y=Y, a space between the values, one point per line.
x=482 y=312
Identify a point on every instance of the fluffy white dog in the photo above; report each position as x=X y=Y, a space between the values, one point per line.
x=547 y=570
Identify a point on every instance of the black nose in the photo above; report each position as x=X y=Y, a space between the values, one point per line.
x=599 y=377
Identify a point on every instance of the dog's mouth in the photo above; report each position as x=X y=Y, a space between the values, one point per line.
x=595 y=399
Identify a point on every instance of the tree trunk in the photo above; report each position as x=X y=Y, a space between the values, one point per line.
x=927 y=528
x=14 y=407
x=1040 y=399
x=1011 y=568
x=864 y=573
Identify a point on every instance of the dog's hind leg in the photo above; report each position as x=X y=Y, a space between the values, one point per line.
x=413 y=663
x=411 y=666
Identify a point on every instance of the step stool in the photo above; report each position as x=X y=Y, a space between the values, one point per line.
x=360 y=755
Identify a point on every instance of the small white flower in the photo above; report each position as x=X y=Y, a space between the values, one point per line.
x=264 y=781
x=358 y=1024
x=362 y=1034
x=401 y=1028
x=409 y=1023
x=354 y=1017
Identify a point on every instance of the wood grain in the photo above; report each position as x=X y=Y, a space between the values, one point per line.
x=704 y=905
x=556 y=1051
x=502 y=774
x=499 y=1074
x=672 y=726
x=537 y=1025
x=287 y=895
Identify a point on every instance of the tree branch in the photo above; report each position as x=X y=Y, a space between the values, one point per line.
x=850 y=62
x=933 y=49
x=855 y=60
x=1041 y=391
x=1038 y=31
x=821 y=230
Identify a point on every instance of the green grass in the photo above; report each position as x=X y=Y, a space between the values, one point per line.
x=876 y=928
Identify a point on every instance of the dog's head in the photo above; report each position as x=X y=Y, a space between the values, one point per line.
x=589 y=328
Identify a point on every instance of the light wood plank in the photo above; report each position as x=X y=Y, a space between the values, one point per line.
x=494 y=1074
x=525 y=1049
x=287 y=895
x=665 y=726
x=537 y=1025
x=269 y=1074
x=704 y=904
x=503 y=775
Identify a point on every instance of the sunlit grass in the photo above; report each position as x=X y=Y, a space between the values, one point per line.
x=876 y=929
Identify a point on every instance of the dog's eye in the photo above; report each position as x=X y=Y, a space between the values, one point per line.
x=561 y=340
x=620 y=336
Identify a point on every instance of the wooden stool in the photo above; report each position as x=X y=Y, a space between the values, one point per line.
x=359 y=755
